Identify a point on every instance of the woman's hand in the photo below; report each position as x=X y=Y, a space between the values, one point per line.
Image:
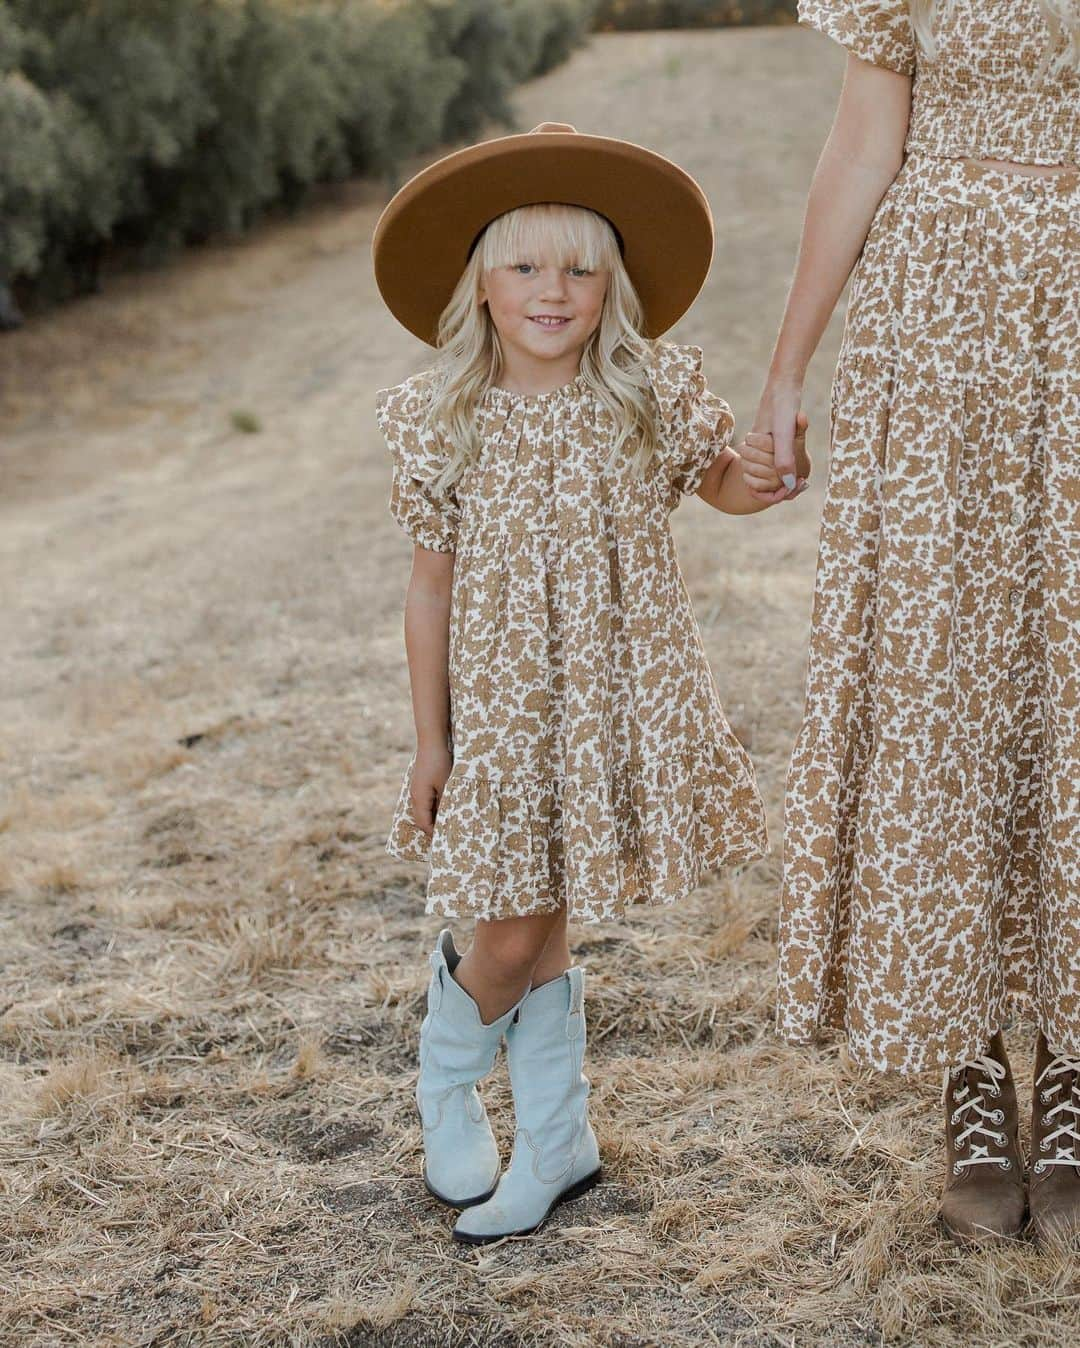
x=779 y=417
x=430 y=771
x=761 y=471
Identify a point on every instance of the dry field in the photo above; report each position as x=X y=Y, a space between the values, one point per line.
x=212 y=974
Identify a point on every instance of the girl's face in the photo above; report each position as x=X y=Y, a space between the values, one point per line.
x=544 y=313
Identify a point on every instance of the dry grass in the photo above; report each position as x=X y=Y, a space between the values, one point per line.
x=212 y=975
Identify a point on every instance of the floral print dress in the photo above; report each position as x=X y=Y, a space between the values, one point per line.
x=932 y=819
x=593 y=766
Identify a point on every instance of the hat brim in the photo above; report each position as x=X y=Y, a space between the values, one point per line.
x=424 y=235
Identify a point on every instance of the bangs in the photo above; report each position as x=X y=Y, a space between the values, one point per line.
x=563 y=236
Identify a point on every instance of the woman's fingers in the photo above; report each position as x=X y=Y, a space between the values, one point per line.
x=784 y=456
x=802 y=458
x=762 y=470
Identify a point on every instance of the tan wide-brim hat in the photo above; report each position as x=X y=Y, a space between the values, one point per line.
x=425 y=235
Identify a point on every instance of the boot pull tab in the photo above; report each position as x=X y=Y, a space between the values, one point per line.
x=435 y=988
x=573 y=1015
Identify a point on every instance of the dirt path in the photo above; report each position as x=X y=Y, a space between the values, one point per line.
x=211 y=972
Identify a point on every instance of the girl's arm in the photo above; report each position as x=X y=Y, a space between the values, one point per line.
x=862 y=156
x=744 y=481
x=427 y=645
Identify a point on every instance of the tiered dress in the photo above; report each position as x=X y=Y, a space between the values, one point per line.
x=593 y=765
x=932 y=820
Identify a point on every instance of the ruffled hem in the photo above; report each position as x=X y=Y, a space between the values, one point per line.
x=888 y=864
x=880 y=34
x=644 y=836
x=909 y=1058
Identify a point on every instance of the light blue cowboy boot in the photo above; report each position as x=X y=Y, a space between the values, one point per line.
x=555 y=1153
x=461 y=1160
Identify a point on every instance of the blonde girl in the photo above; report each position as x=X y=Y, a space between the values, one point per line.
x=932 y=823
x=572 y=756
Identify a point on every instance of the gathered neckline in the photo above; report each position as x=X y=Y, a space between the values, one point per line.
x=505 y=397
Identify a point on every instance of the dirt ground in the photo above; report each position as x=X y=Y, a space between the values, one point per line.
x=212 y=974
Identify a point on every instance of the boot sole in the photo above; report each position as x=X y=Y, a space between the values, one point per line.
x=575 y=1191
x=461 y=1203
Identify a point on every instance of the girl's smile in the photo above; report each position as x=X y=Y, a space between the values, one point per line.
x=544 y=315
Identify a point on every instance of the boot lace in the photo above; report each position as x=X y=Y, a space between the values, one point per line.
x=968 y=1108
x=1066 y=1136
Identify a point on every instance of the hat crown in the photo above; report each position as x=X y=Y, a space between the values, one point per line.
x=424 y=236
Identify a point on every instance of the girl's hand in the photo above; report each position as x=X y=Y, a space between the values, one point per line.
x=429 y=774
x=760 y=470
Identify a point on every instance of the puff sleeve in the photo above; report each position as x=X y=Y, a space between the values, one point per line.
x=694 y=425
x=878 y=31
x=427 y=513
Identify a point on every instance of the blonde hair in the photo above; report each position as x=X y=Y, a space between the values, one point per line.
x=616 y=356
x=1062 y=20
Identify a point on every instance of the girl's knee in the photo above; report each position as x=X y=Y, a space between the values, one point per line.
x=511 y=949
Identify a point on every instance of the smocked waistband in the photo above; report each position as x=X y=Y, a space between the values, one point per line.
x=972 y=184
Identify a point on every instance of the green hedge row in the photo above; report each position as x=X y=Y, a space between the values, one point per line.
x=634 y=14
x=152 y=123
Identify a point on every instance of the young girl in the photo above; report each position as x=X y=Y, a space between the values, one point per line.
x=572 y=755
x=932 y=847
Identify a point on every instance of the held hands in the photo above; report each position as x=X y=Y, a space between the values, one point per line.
x=760 y=474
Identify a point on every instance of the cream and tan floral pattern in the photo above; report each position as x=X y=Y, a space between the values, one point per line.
x=979 y=94
x=932 y=820
x=593 y=763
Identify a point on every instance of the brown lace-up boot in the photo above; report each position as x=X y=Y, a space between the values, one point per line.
x=984 y=1183
x=1055 y=1145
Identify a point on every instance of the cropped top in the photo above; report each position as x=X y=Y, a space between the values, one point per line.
x=978 y=94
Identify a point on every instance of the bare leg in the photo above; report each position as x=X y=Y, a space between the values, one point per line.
x=555 y=957
x=498 y=967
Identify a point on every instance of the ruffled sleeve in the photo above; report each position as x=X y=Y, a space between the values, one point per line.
x=694 y=424
x=428 y=514
x=878 y=31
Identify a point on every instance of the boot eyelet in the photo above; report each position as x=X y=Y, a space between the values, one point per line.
x=1044 y=1145
x=1005 y=1163
x=998 y=1116
x=957 y=1168
x=955 y=1119
x=1045 y=1097
x=1040 y=1166
x=994 y=1091
x=1002 y=1140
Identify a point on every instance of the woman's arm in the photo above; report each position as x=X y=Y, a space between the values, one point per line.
x=427 y=645
x=862 y=156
